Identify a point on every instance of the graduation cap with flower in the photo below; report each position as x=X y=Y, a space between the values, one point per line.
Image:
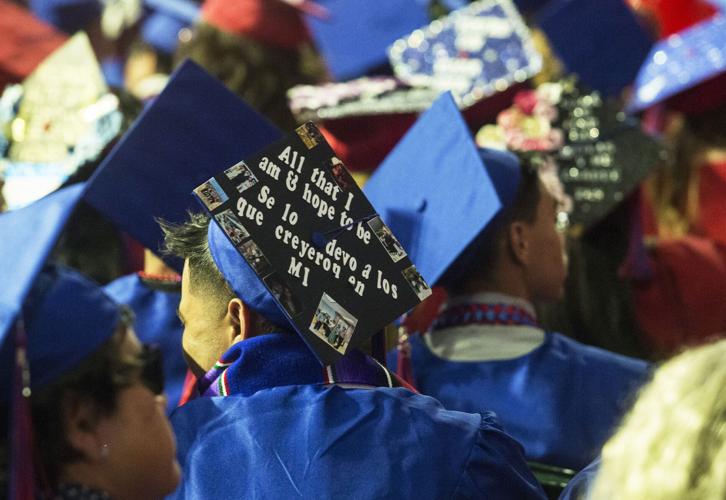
x=62 y=116
x=599 y=153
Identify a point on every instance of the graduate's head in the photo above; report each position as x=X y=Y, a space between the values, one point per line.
x=103 y=424
x=98 y=413
x=98 y=422
x=218 y=307
x=521 y=251
x=672 y=444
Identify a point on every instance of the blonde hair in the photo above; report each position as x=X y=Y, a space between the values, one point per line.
x=672 y=444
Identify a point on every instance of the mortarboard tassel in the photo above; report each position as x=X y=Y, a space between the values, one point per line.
x=21 y=468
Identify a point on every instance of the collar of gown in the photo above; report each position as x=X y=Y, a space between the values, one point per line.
x=282 y=359
x=477 y=342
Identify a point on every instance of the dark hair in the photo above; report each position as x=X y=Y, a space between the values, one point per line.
x=259 y=73
x=479 y=260
x=189 y=241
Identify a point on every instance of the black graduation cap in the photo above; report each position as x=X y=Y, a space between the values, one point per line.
x=291 y=223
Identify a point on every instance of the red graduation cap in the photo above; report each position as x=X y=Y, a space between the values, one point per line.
x=25 y=42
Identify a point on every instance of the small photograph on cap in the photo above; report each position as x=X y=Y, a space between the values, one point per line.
x=245 y=178
x=309 y=134
x=332 y=323
x=282 y=293
x=385 y=236
x=211 y=194
x=236 y=170
x=255 y=258
x=340 y=174
x=232 y=227
x=420 y=288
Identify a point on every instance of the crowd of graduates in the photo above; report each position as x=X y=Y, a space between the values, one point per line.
x=555 y=170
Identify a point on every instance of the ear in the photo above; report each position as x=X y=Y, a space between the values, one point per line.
x=239 y=315
x=81 y=425
x=519 y=242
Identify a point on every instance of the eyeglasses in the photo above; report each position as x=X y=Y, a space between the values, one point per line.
x=152 y=368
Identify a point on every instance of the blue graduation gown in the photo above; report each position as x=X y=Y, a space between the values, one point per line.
x=275 y=438
x=561 y=401
x=579 y=486
x=156 y=323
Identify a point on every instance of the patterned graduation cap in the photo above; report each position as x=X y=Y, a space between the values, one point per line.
x=365 y=96
x=474 y=52
x=62 y=116
x=435 y=190
x=599 y=40
x=353 y=36
x=681 y=62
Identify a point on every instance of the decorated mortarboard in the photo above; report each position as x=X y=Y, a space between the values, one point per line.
x=682 y=62
x=292 y=219
x=168 y=18
x=362 y=119
x=598 y=152
x=353 y=36
x=62 y=116
x=474 y=52
x=26 y=41
x=67 y=15
x=180 y=140
x=601 y=41
x=434 y=191
x=365 y=96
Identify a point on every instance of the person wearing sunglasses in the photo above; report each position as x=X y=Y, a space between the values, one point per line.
x=82 y=396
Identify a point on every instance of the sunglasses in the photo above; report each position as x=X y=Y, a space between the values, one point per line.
x=152 y=368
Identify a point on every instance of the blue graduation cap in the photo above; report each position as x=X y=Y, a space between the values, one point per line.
x=194 y=129
x=436 y=191
x=599 y=40
x=168 y=17
x=67 y=15
x=66 y=316
x=354 y=37
x=681 y=62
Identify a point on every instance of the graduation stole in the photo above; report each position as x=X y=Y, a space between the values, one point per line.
x=485 y=314
x=280 y=359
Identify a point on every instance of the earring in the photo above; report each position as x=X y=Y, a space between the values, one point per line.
x=105 y=450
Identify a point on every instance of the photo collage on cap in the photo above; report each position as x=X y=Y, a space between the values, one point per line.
x=299 y=220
